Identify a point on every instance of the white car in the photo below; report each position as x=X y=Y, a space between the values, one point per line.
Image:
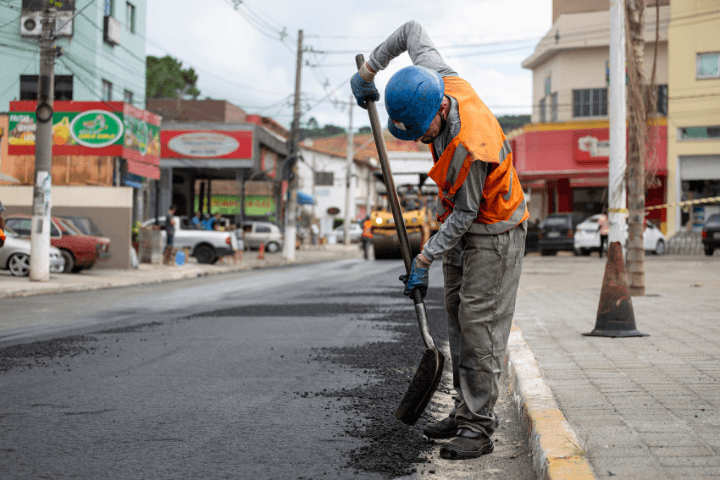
x=205 y=245
x=15 y=255
x=587 y=237
x=355 y=233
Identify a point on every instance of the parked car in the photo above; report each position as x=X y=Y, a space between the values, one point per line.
x=205 y=245
x=557 y=233
x=84 y=224
x=587 y=237
x=256 y=233
x=531 y=239
x=69 y=228
x=15 y=255
x=80 y=251
x=355 y=233
x=711 y=234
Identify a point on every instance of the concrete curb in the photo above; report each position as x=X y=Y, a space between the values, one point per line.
x=171 y=275
x=557 y=453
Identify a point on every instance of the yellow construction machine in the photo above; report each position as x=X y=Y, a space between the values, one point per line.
x=420 y=221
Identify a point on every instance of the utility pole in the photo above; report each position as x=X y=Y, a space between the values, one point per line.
x=637 y=127
x=616 y=167
x=348 y=176
x=291 y=204
x=40 y=223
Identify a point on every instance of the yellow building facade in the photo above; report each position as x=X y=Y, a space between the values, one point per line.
x=693 y=111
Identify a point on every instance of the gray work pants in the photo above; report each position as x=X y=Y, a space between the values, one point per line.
x=482 y=273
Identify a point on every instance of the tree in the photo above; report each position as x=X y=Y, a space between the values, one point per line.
x=165 y=78
x=365 y=129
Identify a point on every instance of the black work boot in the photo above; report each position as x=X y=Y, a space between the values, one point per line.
x=445 y=428
x=467 y=444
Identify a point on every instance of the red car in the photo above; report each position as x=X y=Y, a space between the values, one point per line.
x=68 y=228
x=79 y=251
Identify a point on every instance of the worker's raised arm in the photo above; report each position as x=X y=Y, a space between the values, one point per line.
x=411 y=38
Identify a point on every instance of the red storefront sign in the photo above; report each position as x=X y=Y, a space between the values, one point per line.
x=207 y=144
x=592 y=145
x=114 y=129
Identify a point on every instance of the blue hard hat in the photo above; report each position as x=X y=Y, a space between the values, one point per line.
x=412 y=98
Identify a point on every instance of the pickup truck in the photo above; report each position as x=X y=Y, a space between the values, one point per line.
x=205 y=245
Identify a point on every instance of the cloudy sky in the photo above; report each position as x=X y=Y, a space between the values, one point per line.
x=240 y=57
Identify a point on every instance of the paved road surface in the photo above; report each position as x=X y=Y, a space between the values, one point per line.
x=284 y=373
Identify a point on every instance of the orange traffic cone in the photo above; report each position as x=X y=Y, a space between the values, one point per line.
x=261 y=251
x=615 y=316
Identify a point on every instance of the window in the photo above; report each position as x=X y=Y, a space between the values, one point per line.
x=29 y=87
x=109 y=8
x=698 y=133
x=542 y=111
x=554 y=107
x=590 y=103
x=128 y=97
x=106 y=91
x=662 y=100
x=708 y=65
x=548 y=85
x=130 y=17
x=262 y=229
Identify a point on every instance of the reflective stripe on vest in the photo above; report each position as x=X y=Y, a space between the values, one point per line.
x=480 y=139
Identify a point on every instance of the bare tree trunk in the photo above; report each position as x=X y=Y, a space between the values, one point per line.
x=637 y=126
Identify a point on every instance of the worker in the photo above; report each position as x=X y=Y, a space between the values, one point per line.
x=367 y=236
x=483 y=216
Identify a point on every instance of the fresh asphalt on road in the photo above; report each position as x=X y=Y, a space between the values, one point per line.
x=279 y=373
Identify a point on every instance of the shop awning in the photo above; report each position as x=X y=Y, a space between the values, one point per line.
x=305 y=199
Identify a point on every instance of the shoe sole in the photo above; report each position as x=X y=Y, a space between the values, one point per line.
x=461 y=454
x=439 y=435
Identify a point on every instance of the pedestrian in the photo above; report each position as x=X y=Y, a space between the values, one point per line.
x=314 y=232
x=483 y=216
x=196 y=221
x=604 y=227
x=216 y=222
x=367 y=237
x=206 y=222
x=2 y=225
x=170 y=232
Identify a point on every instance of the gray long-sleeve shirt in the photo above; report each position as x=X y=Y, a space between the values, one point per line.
x=413 y=38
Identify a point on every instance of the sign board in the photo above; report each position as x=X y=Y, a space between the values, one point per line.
x=207 y=144
x=92 y=129
x=591 y=145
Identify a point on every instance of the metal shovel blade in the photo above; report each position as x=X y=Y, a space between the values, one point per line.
x=422 y=387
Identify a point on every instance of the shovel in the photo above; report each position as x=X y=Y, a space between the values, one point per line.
x=430 y=370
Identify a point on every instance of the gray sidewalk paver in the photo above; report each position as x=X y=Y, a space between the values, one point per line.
x=644 y=407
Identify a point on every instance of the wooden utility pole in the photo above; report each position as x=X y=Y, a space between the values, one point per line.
x=291 y=205
x=348 y=176
x=40 y=223
x=637 y=127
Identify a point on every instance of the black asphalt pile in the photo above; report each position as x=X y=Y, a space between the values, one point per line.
x=143 y=327
x=40 y=353
x=393 y=449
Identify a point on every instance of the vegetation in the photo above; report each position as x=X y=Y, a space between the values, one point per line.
x=166 y=78
x=511 y=122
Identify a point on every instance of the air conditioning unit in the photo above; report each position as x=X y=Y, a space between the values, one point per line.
x=31 y=23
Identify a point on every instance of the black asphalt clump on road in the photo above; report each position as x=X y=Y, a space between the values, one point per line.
x=291 y=310
x=21 y=355
x=143 y=327
x=394 y=449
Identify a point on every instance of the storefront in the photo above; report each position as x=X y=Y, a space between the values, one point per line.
x=214 y=167
x=564 y=167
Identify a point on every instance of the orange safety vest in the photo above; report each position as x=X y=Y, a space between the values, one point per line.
x=367 y=229
x=2 y=237
x=480 y=139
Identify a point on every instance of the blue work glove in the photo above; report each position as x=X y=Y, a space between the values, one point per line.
x=418 y=278
x=363 y=90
